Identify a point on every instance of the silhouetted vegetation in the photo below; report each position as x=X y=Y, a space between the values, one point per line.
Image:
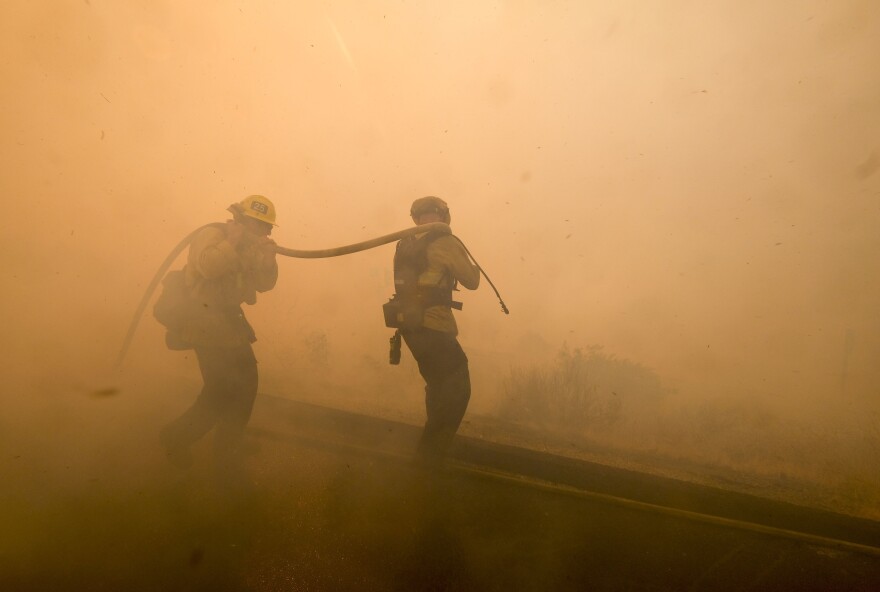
x=589 y=401
x=582 y=388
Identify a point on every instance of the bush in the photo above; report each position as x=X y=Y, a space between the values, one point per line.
x=580 y=389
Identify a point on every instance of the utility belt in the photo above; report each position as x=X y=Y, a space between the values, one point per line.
x=408 y=312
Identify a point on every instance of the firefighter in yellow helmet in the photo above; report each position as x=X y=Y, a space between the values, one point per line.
x=226 y=266
x=427 y=267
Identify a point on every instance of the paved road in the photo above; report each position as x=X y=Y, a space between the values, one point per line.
x=330 y=502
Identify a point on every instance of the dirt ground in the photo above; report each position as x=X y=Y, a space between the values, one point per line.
x=307 y=517
x=851 y=497
x=91 y=503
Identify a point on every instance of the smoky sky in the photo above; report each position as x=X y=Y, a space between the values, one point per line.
x=692 y=186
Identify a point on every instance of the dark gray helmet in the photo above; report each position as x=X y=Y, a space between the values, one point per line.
x=430 y=204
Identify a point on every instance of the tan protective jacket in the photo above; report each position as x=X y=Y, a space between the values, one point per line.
x=221 y=277
x=447 y=262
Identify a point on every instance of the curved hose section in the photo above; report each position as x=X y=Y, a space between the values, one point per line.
x=504 y=308
x=322 y=253
x=148 y=293
x=363 y=246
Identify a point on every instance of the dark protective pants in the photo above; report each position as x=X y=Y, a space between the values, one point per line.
x=225 y=402
x=444 y=366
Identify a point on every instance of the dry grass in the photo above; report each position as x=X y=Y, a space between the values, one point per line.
x=590 y=400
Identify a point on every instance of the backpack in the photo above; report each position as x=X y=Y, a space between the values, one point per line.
x=174 y=305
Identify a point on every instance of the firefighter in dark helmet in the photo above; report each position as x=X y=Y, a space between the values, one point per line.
x=427 y=268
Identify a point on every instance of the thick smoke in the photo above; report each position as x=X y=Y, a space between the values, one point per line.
x=693 y=188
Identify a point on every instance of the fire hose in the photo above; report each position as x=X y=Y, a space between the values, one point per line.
x=297 y=253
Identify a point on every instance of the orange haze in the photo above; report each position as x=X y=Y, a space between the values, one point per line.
x=694 y=187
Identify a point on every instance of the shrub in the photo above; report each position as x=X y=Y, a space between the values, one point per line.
x=579 y=389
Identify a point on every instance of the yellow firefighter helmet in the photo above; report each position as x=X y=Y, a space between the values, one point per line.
x=257 y=207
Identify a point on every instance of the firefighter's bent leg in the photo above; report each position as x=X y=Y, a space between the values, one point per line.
x=227 y=397
x=444 y=366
